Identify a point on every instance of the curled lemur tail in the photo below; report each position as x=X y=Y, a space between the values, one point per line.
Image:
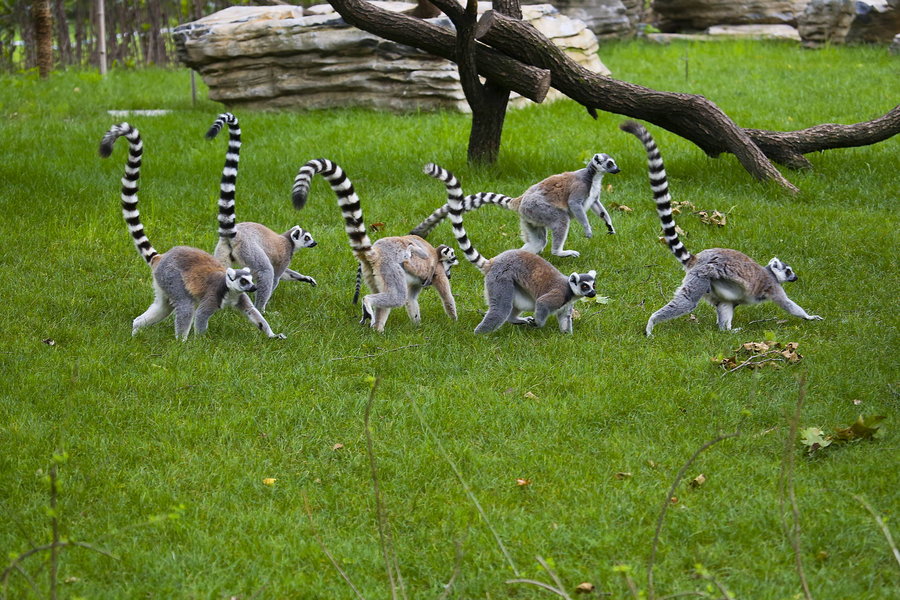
x=347 y=199
x=130 y=184
x=470 y=202
x=455 y=211
x=229 y=173
x=660 y=186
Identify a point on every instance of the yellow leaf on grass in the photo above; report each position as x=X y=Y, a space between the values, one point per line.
x=269 y=481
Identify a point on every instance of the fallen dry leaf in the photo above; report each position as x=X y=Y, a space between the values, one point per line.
x=49 y=341
x=521 y=481
x=530 y=396
x=269 y=481
x=622 y=475
x=624 y=208
x=698 y=480
x=584 y=588
x=337 y=446
x=377 y=226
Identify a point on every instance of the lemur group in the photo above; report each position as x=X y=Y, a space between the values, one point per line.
x=250 y=257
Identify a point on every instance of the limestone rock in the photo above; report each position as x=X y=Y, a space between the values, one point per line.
x=608 y=19
x=287 y=56
x=876 y=21
x=697 y=15
x=826 y=22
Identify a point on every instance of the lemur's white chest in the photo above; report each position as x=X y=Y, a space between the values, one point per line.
x=594 y=192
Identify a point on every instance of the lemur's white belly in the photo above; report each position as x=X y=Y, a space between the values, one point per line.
x=522 y=301
x=728 y=291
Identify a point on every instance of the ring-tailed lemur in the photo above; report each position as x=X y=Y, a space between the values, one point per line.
x=723 y=277
x=547 y=206
x=515 y=280
x=395 y=268
x=266 y=253
x=187 y=280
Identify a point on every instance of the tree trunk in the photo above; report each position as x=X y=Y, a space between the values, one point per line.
x=43 y=34
x=529 y=81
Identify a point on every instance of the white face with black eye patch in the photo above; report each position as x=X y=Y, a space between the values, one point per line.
x=239 y=280
x=605 y=163
x=302 y=238
x=583 y=284
x=781 y=271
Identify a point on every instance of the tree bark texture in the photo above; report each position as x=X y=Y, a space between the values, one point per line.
x=690 y=116
x=529 y=81
x=43 y=36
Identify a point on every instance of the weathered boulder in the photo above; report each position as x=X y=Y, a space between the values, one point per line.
x=608 y=19
x=826 y=22
x=697 y=15
x=876 y=22
x=287 y=56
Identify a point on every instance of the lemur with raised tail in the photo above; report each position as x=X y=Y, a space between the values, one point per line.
x=394 y=268
x=515 y=280
x=725 y=278
x=187 y=280
x=266 y=253
x=546 y=206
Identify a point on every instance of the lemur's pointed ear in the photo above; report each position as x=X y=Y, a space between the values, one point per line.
x=593 y=274
x=573 y=277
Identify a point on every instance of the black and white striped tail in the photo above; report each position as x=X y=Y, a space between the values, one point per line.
x=455 y=211
x=347 y=199
x=229 y=172
x=130 y=184
x=660 y=186
x=470 y=202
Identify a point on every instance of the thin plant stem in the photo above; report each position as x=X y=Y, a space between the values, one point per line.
x=467 y=489
x=884 y=528
x=651 y=592
x=384 y=536
x=325 y=548
x=787 y=493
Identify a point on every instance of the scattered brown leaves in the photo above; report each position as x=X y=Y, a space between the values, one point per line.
x=756 y=355
x=864 y=428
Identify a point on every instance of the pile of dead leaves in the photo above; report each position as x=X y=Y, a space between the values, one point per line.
x=865 y=428
x=757 y=355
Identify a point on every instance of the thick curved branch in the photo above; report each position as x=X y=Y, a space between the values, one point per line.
x=788 y=147
x=529 y=81
x=690 y=116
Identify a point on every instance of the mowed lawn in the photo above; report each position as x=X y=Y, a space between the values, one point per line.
x=568 y=443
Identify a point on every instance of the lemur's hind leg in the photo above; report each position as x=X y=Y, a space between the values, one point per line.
x=499 y=295
x=724 y=314
x=412 y=304
x=184 y=318
x=534 y=236
x=159 y=310
x=393 y=294
x=687 y=296
x=560 y=231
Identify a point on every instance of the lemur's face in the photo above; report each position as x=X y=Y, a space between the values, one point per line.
x=301 y=238
x=239 y=280
x=605 y=163
x=582 y=284
x=782 y=271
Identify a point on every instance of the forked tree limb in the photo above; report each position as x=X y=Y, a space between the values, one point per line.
x=690 y=116
x=529 y=81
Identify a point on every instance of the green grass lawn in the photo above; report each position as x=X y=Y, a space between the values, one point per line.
x=153 y=426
